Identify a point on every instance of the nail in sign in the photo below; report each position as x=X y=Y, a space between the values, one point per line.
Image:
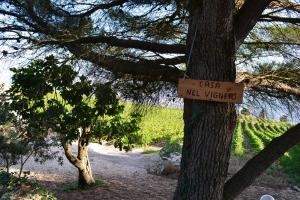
x=211 y=90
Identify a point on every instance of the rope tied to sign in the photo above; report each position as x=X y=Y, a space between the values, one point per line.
x=190 y=53
x=196 y=116
x=229 y=117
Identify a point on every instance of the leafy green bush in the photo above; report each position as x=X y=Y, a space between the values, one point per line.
x=9 y=182
x=172 y=145
x=10 y=151
x=17 y=146
x=44 y=194
x=291 y=164
x=14 y=187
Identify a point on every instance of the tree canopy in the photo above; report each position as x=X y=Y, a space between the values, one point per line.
x=146 y=40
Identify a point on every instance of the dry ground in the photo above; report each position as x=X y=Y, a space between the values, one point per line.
x=126 y=178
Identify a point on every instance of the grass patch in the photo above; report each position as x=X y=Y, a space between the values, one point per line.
x=150 y=151
x=74 y=187
x=291 y=164
x=45 y=194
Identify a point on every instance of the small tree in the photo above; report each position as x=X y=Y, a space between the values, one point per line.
x=245 y=111
x=54 y=97
x=16 y=146
x=262 y=114
x=284 y=118
x=12 y=149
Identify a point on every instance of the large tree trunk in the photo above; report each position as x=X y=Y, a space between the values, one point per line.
x=209 y=126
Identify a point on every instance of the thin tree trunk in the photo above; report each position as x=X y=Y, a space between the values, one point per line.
x=81 y=162
x=85 y=177
x=21 y=167
x=7 y=165
x=23 y=162
x=209 y=126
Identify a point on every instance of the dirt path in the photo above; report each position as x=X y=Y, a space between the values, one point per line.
x=126 y=178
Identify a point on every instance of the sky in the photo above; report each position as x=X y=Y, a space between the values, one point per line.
x=5 y=74
x=5 y=77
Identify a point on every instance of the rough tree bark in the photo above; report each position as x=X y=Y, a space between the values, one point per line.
x=208 y=125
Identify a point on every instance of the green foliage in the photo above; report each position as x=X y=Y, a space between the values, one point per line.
x=158 y=124
x=268 y=131
x=6 y=115
x=11 y=187
x=74 y=187
x=12 y=149
x=260 y=134
x=172 y=145
x=53 y=98
x=4 y=182
x=261 y=129
x=44 y=194
x=149 y=151
x=291 y=164
x=16 y=146
x=255 y=141
x=165 y=119
x=238 y=140
x=8 y=182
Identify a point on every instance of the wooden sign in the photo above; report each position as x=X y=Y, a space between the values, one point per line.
x=211 y=90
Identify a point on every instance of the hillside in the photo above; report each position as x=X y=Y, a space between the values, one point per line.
x=251 y=135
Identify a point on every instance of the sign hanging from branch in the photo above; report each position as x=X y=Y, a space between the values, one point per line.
x=211 y=90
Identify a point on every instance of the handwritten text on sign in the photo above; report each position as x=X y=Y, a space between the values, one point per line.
x=211 y=90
